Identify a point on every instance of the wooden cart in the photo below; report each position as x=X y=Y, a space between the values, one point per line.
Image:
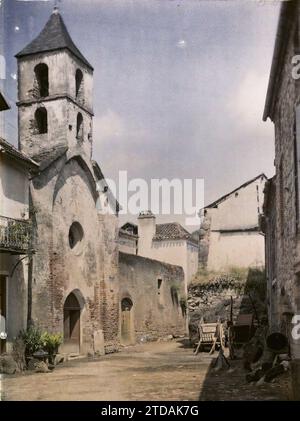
x=210 y=334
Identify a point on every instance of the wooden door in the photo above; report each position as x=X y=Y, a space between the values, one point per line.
x=126 y=322
x=125 y=327
x=72 y=324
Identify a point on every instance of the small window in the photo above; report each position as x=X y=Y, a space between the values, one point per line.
x=160 y=295
x=42 y=78
x=41 y=120
x=75 y=235
x=79 y=83
x=79 y=126
x=159 y=282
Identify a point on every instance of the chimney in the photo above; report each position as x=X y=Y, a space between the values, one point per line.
x=146 y=232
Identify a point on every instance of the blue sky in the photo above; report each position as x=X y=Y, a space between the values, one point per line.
x=179 y=86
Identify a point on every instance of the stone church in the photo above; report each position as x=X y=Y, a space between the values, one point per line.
x=67 y=274
x=74 y=279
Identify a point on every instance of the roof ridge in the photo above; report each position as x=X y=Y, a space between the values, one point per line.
x=224 y=197
x=168 y=223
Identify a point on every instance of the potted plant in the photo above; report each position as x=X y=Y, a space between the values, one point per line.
x=50 y=344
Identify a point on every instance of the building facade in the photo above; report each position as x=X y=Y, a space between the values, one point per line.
x=230 y=235
x=282 y=107
x=153 y=299
x=73 y=281
x=268 y=225
x=15 y=241
x=128 y=238
x=169 y=243
x=74 y=272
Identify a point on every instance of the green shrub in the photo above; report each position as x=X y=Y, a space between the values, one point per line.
x=51 y=342
x=32 y=340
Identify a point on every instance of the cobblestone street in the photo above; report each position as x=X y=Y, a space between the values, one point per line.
x=152 y=371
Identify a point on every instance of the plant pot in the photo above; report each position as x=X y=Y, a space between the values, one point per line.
x=51 y=358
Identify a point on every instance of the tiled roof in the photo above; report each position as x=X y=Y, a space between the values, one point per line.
x=172 y=231
x=14 y=153
x=54 y=36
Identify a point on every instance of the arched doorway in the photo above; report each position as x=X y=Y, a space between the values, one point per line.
x=72 y=324
x=127 y=328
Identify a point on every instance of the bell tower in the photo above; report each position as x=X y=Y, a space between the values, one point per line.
x=55 y=81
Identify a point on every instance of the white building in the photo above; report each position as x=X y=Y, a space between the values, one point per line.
x=230 y=235
x=169 y=243
x=128 y=238
x=15 y=235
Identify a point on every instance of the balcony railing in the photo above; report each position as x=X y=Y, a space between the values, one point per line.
x=15 y=235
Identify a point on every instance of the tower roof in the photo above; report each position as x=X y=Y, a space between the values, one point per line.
x=54 y=36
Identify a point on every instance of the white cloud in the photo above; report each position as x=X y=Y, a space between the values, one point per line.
x=247 y=104
x=181 y=43
x=108 y=126
x=118 y=144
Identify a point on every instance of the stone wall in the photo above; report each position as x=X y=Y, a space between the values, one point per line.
x=155 y=313
x=61 y=104
x=204 y=237
x=77 y=267
x=62 y=67
x=64 y=193
x=211 y=298
x=285 y=181
x=287 y=140
x=268 y=223
x=109 y=294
